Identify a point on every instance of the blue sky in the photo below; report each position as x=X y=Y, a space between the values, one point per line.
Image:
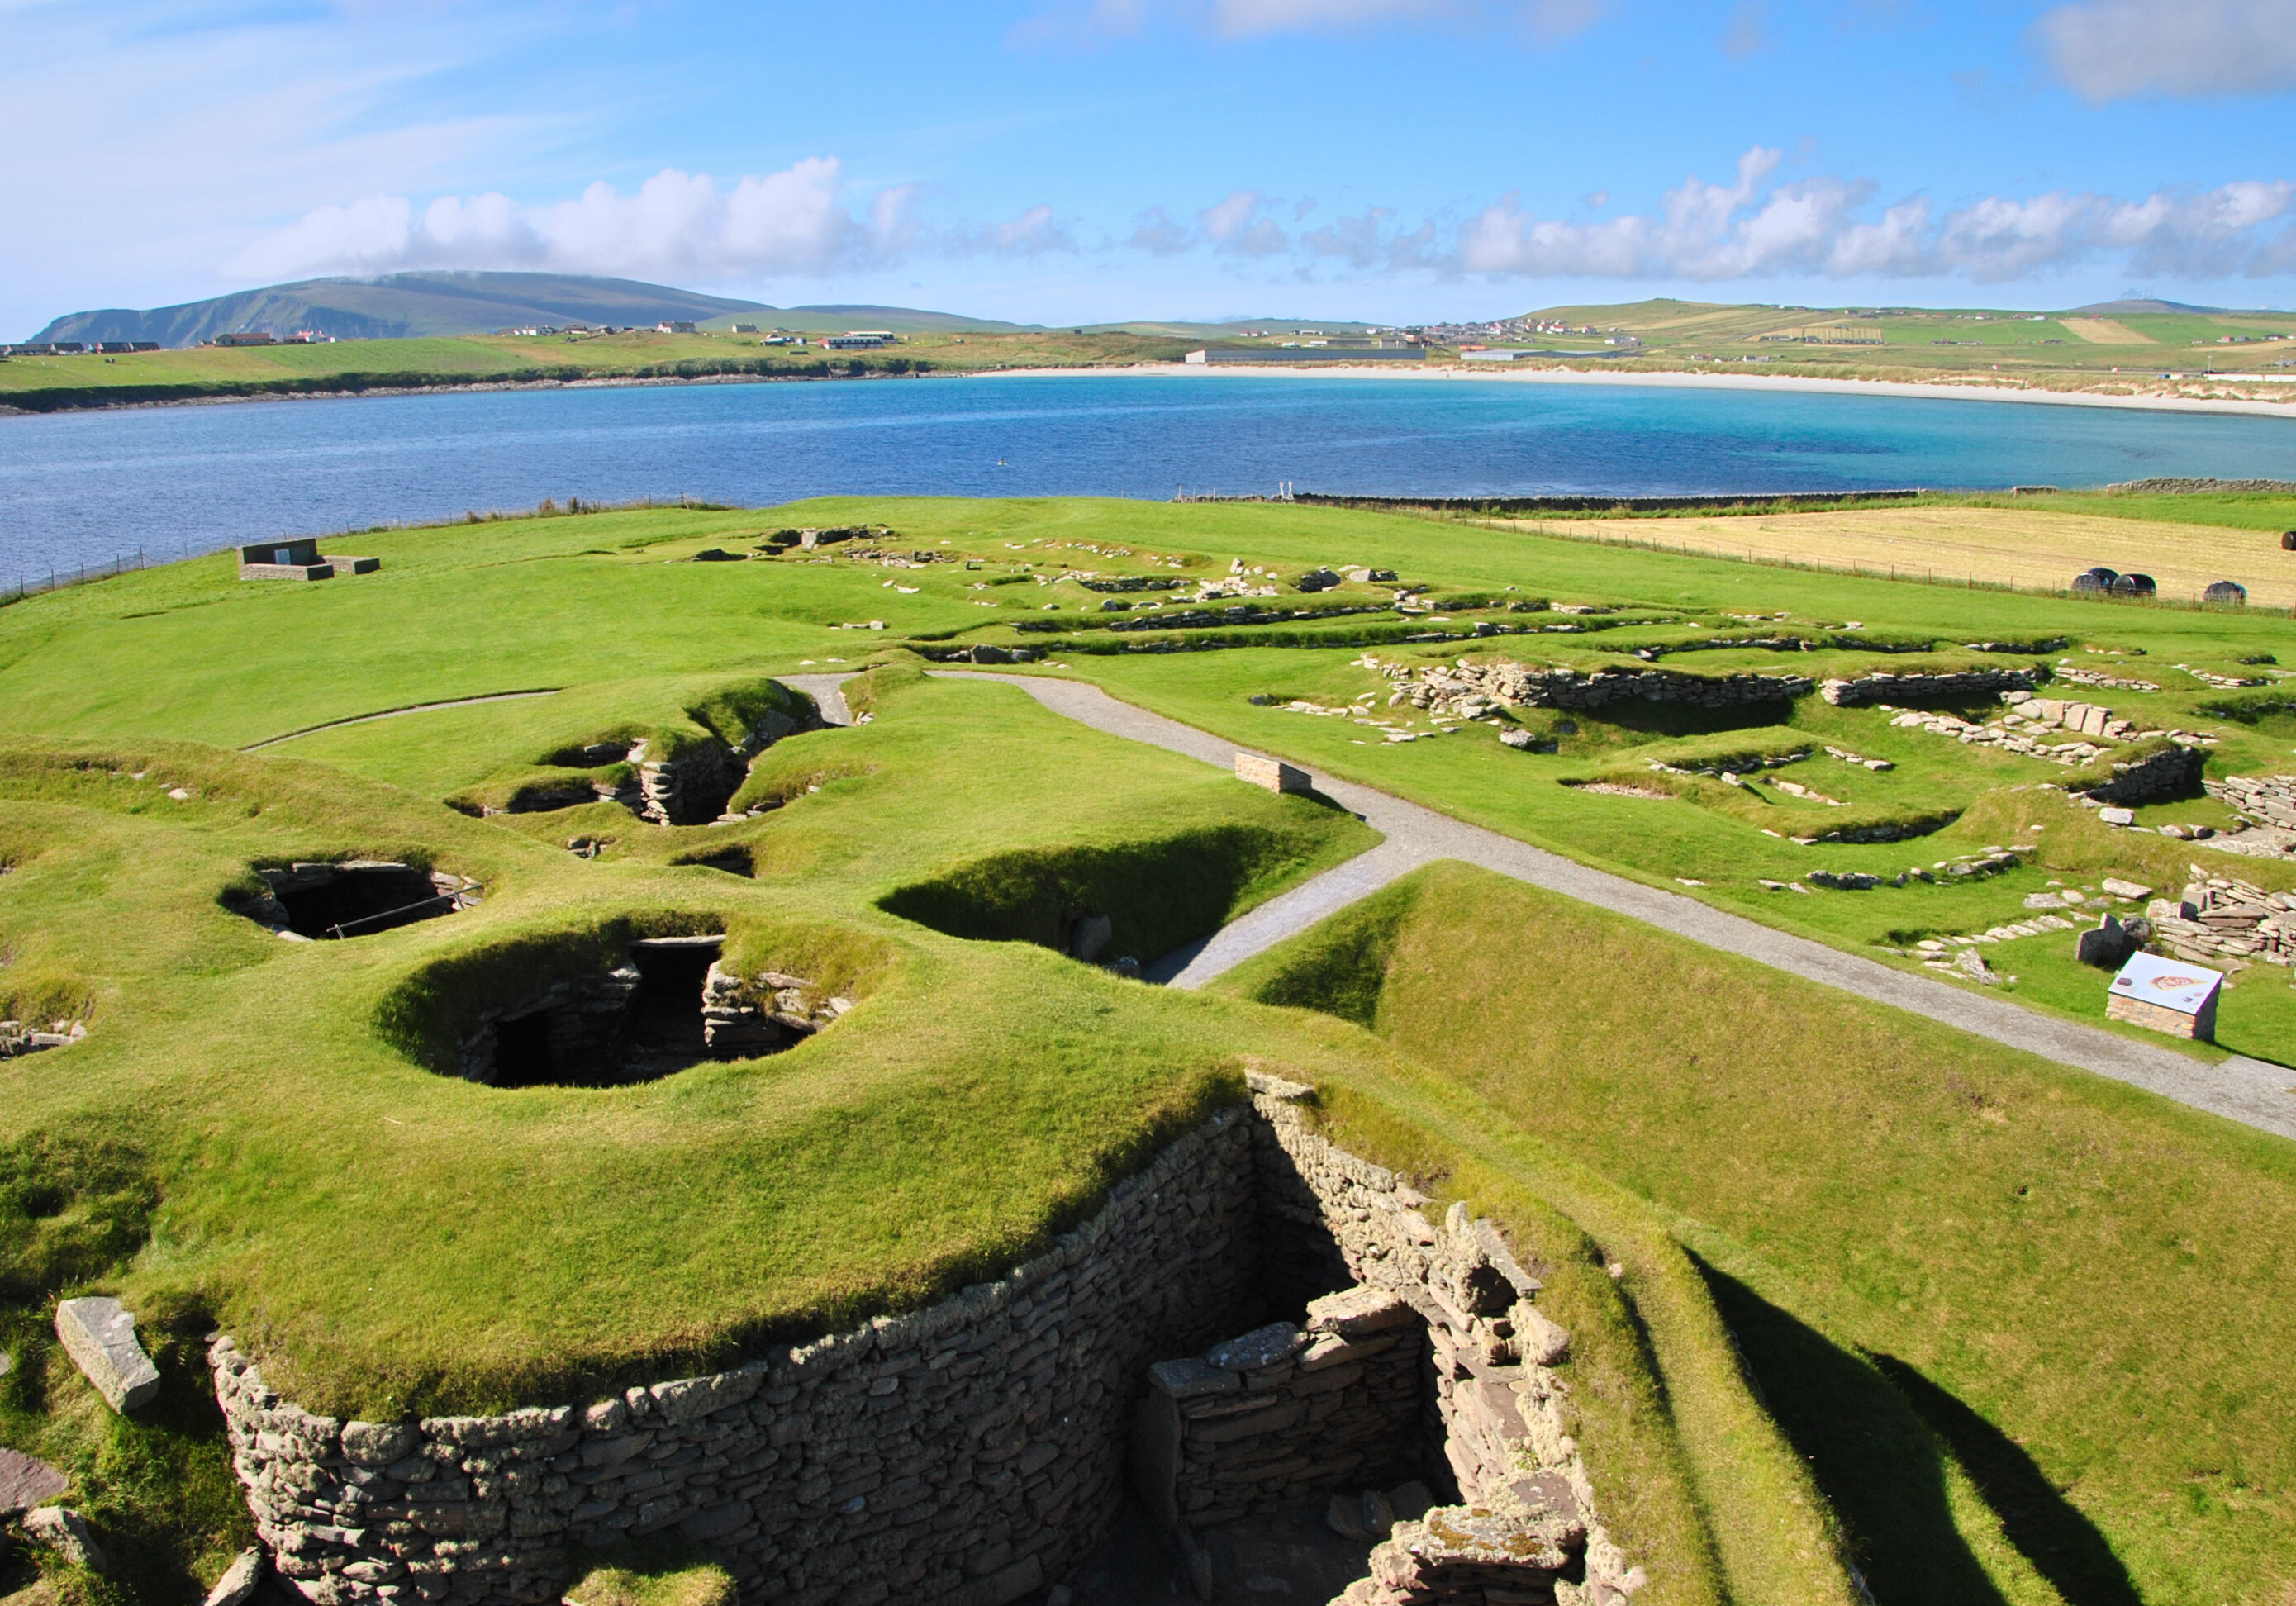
x=1060 y=160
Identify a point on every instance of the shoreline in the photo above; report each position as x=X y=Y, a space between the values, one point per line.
x=1683 y=378
x=1686 y=378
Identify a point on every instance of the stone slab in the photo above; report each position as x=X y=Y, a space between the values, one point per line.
x=99 y=1334
x=26 y=1481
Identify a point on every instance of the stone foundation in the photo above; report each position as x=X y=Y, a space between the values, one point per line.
x=973 y=1453
x=1884 y=685
x=2267 y=800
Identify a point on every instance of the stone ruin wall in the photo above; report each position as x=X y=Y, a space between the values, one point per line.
x=973 y=1453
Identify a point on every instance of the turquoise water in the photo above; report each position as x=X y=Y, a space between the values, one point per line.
x=89 y=487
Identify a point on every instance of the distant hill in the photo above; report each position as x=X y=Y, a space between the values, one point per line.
x=2117 y=309
x=899 y=320
x=400 y=305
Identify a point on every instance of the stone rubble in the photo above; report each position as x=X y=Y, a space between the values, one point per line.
x=1862 y=762
x=239 y=1579
x=2266 y=800
x=18 y=1038
x=1526 y=1508
x=2109 y=682
x=1469 y=689
x=65 y=1531
x=2218 y=919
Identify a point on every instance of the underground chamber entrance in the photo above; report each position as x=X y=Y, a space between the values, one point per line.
x=356 y=898
x=667 y=1007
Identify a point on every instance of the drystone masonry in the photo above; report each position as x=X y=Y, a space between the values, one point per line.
x=2218 y=920
x=2267 y=800
x=964 y=1455
x=2165 y=774
x=1524 y=1527
x=1261 y=1421
x=1881 y=686
x=970 y=1454
x=1475 y=691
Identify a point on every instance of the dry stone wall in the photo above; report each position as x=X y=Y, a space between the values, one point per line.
x=1524 y=1527
x=1473 y=690
x=1881 y=686
x=964 y=1455
x=2267 y=800
x=1259 y=1423
x=972 y=1454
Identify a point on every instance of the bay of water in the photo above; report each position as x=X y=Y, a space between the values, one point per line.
x=90 y=488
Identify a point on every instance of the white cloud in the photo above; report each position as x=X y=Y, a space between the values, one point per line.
x=1545 y=21
x=1236 y=225
x=2110 y=50
x=676 y=225
x=1817 y=227
x=1756 y=227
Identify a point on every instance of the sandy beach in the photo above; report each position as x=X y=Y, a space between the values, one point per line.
x=1683 y=380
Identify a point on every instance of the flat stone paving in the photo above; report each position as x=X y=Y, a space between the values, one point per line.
x=2251 y=1092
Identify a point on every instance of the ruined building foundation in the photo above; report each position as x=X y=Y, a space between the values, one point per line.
x=1256 y=1317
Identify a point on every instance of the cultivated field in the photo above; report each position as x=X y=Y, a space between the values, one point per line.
x=2033 y=549
x=1849 y=1289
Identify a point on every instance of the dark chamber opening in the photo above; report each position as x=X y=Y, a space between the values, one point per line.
x=665 y=1031
x=642 y=1021
x=522 y=1052
x=333 y=901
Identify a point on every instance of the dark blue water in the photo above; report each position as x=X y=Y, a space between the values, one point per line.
x=88 y=488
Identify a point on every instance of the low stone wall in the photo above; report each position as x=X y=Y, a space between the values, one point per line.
x=1525 y=1517
x=964 y=1455
x=1260 y=1423
x=1884 y=685
x=2267 y=800
x=970 y=1454
x=2165 y=774
x=1473 y=690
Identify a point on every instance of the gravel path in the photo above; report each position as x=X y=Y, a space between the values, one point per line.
x=2241 y=1089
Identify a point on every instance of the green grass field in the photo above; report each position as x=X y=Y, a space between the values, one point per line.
x=2008 y=1331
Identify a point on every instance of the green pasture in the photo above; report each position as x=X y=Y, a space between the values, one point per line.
x=2064 y=1394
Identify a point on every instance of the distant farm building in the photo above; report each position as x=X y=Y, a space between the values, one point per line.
x=1831 y=334
x=674 y=327
x=859 y=340
x=245 y=337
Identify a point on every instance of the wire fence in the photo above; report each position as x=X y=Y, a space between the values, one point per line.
x=58 y=576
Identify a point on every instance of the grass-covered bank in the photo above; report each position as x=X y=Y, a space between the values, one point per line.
x=2020 y=1321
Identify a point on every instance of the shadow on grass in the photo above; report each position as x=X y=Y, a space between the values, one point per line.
x=1879 y=1439
x=2063 y=1545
